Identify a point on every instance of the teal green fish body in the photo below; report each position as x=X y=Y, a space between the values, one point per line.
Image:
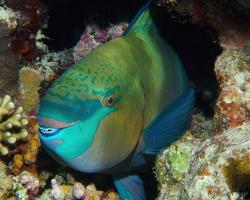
x=120 y=102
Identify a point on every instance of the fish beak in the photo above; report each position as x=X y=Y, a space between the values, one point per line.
x=50 y=137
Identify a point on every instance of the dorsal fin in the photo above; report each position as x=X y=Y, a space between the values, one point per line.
x=142 y=19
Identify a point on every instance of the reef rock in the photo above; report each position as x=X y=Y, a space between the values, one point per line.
x=8 y=60
x=233 y=74
x=217 y=168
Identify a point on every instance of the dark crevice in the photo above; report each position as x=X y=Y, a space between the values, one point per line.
x=68 y=19
x=198 y=50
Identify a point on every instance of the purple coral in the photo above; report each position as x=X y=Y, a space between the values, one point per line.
x=115 y=31
x=78 y=191
x=30 y=182
x=94 y=36
x=56 y=192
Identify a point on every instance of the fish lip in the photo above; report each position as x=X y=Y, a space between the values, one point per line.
x=52 y=123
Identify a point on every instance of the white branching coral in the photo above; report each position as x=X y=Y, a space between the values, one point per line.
x=12 y=124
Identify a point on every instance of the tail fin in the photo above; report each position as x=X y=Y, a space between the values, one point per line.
x=142 y=19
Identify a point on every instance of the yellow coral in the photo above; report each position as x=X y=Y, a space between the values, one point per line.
x=12 y=122
x=30 y=81
x=18 y=161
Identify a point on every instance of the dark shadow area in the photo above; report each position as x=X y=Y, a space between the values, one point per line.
x=194 y=44
x=198 y=50
x=68 y=18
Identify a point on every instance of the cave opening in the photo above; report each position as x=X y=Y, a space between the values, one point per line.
x=197 y=46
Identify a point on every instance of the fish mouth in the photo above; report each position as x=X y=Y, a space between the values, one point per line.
x=51 y=127
x=48 y=132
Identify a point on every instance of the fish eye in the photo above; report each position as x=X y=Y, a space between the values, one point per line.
x=109 y=101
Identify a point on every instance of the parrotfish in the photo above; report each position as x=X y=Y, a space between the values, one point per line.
x=123 y=103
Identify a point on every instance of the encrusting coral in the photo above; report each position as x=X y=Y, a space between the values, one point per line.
x=12 y=123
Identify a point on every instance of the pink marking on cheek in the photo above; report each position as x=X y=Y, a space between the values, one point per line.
x=52 y=123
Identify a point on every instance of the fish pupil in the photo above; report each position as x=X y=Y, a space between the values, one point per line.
x=110 y=101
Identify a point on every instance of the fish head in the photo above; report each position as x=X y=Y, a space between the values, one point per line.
x=92 y=116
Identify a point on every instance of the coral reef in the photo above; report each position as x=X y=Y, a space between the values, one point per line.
x=217 y=168
x=26 y=186
x=78 y=191
x=12 y=123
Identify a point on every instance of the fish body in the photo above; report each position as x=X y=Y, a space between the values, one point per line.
x=128 y=98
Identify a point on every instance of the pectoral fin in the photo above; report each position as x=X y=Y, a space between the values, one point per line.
x=130 y=187
x=170 y=124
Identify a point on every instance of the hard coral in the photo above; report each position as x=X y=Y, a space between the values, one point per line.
x=12 y=123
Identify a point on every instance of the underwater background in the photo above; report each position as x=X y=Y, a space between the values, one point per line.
x=40 y=39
